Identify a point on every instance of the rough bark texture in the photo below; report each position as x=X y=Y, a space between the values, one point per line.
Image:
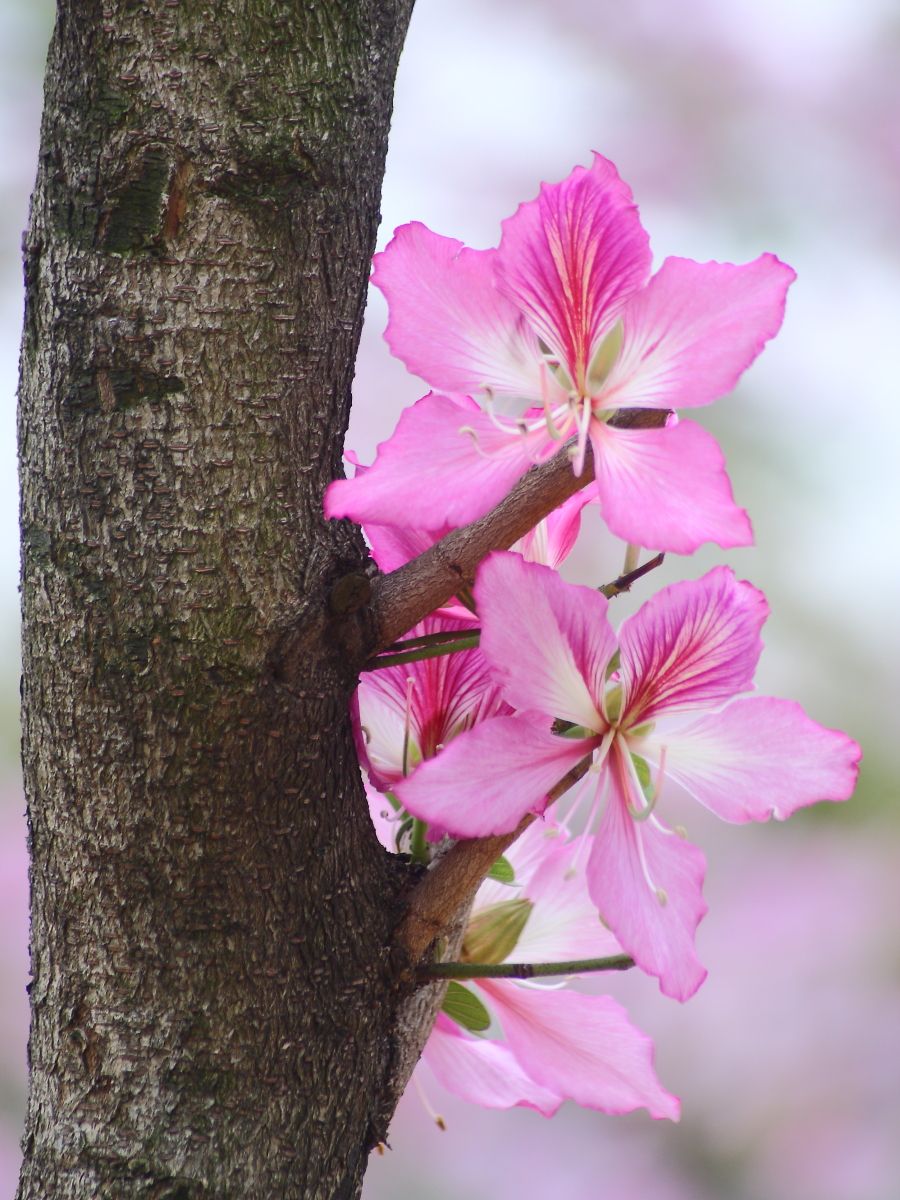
x=214 y=1006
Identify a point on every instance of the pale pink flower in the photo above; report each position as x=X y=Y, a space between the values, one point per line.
x=548 y=1044
x=668 y=711
x=554 y=331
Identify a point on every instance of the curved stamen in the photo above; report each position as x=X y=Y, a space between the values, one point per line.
x=435 y=1116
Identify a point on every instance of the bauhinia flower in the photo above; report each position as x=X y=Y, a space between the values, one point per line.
x=657 y=705
x=553 y=332
x=501 y=1043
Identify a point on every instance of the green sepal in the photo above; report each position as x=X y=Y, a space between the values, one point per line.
x=502 y=871
x=642 y=769
x=464 y=1007
x=493 y=932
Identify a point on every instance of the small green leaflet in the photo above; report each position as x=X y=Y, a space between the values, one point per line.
x=464 y=1007
x=502 y=871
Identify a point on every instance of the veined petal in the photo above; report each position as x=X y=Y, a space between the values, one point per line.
x=570 y=259
x=486 y=780
x=549 y=642
x=666 y=489
x=429 y=466
x=437 y=698
x=552 y=540
x=758 y=758
x=691 y=333
x=483 y=1072
x=583 y=1047
x=647 y=883
x=563 y=924
x=693 y=645
x=448 y=322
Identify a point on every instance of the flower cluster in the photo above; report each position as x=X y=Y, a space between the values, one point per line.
x=557 y=340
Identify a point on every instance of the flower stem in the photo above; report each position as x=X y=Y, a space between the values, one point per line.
x=418 y=847
x=507 y=970
x=624 y=581
x=467 y=640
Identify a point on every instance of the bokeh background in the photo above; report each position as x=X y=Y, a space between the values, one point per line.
x=742 y=126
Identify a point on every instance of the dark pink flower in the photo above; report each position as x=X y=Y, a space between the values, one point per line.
x=668 y=711
x=554 y=331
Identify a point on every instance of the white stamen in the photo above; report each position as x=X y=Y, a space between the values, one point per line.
x=435 y=1116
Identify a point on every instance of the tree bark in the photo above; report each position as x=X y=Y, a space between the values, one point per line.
x=215 y=1007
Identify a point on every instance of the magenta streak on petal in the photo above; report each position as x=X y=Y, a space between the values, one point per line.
x=692 y=646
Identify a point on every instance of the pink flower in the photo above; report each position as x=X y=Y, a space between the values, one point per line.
x=555 y=330
x=556 y=1044
x=667 y=712
x=405 y=714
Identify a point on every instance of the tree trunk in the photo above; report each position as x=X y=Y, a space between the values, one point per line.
x=214 y=1004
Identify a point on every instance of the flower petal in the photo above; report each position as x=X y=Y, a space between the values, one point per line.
x=583 y=1047
x=570 y=259
x=630 y=863
x=444 y=696
x=693 y=645
x=552 y=540
x=666 y=489
x=429 y=466
x=483 y=1072
x=486 y=780
x=758 y=758
x=563 y=924
x=549 y=642
x=690 y=334
x=448 y=322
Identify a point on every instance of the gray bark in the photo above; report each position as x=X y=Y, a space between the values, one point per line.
x=214 y=1001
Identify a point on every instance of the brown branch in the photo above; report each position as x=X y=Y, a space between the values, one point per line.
x=406 y=595
x=402 y=598
x=623 y=582
x=455 y=878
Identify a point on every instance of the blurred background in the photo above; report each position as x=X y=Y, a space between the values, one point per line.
x=742 y=126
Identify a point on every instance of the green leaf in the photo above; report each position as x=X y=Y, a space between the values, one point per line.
x=464 y=1007
x=502 y=871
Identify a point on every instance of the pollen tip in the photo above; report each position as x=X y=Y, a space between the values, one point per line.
x=681 y=831
x=662 y=896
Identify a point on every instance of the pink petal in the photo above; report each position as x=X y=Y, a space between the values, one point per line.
x=657 y=933
x=483 y=1072
x=570 y=259
x=486 y=780
x=666 y=488
x=564 y=923
x=444 y=696
x=549 y=642
x=382 y=817
x=690 y=334
x=552 y=540
x=693 y=645
x=583 y=1047
x=430 y=467
x=759 y=758
x=448 y=322
x=394 y=545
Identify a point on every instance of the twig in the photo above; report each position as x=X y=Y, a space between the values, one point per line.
x=624 y=582
x=456 y=876
x=403 y=597
x=507 y=970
